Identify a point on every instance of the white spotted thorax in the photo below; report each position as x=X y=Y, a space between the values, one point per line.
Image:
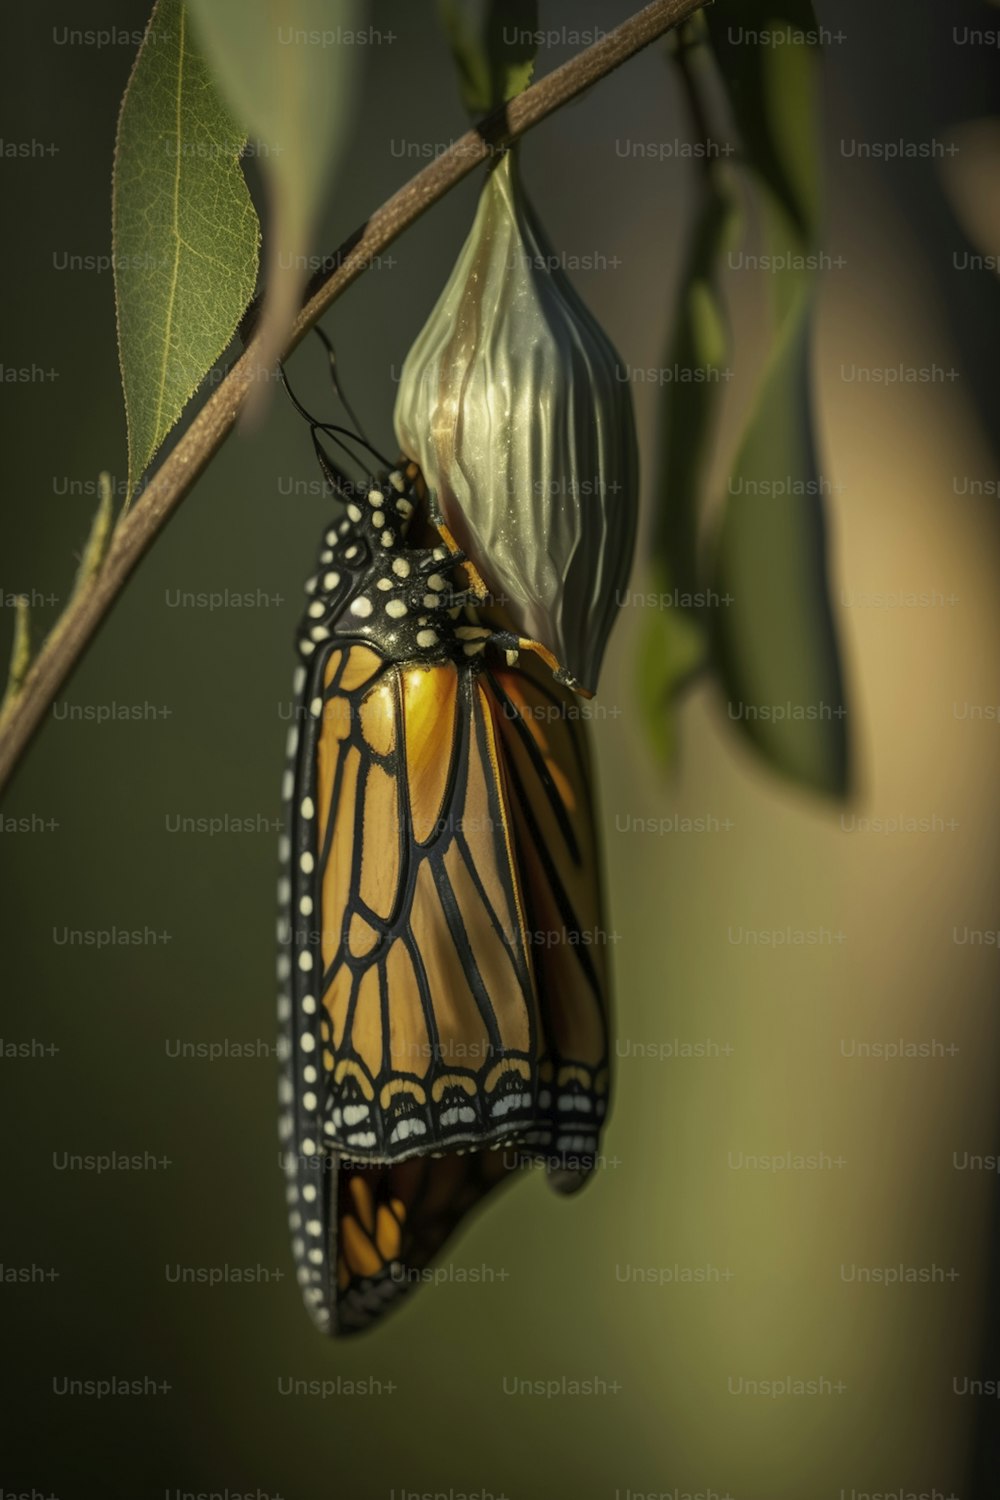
x=511 y=404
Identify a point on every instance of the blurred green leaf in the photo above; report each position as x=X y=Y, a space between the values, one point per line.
x=775 y=646
x=671 y=653
x=185 y=233
x=675 y=638
x=493 y=44
x=287 y=69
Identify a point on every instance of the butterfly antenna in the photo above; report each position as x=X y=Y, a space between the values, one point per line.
x=334 y=475
x=333 y=429
x=313 y=422
x=343 y=436
x=338 y=389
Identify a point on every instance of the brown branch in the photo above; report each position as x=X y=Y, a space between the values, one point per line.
x=210 y=428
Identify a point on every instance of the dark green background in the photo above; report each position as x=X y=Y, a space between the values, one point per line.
x=220 y=681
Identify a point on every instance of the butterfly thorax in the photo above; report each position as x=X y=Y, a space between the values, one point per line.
x=371 y=586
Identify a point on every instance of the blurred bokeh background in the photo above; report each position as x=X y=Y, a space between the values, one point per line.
x=855 y=1269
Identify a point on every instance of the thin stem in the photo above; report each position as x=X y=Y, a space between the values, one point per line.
x=213 y=424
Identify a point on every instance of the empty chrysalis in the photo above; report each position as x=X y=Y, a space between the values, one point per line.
x=511 y=404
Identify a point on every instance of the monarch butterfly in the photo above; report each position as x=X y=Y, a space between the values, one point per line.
x=444 y=997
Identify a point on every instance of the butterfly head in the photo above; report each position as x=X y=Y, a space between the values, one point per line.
x=371 y=586
x=381 y=515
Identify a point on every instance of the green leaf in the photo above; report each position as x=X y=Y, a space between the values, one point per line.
x=773 y=92
x=775 y=646
x=185 y=233
x=287 y=69
x=672 y=648
x=675 y=640
x=493 y=43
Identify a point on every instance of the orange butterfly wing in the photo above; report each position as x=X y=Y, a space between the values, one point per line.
x=543 y=732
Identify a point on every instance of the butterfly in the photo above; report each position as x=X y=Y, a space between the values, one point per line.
x=444 y=999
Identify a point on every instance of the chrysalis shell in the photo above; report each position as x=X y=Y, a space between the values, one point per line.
x=510 y=401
